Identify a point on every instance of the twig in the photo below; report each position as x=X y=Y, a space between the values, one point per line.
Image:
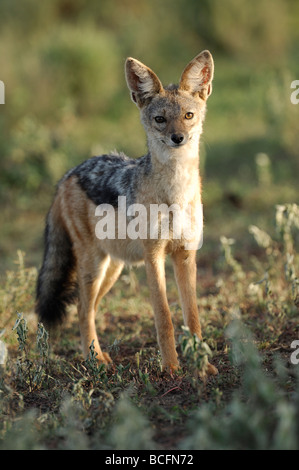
x=174 y=388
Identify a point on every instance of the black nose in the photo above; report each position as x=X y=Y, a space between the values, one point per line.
x=177 y=138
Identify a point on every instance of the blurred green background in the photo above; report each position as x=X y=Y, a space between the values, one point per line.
x=62 y=62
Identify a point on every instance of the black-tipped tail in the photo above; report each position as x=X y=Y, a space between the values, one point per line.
x=56 y=286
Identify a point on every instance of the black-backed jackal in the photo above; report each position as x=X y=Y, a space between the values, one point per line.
x=80 y=266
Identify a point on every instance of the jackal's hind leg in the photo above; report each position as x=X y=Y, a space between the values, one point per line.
x=111 y=275
x=90 y=278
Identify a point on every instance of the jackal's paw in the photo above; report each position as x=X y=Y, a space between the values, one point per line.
x=211 y=370
x=104 y=358
x=171 y=367
x=107 y=358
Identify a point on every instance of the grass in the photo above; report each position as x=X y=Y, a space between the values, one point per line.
x=66 y=99
x=249 y=311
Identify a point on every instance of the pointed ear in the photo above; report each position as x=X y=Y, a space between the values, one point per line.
x=143 y=83
x=198 y=75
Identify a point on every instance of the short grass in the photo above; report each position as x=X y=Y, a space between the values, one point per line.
x=249 y=304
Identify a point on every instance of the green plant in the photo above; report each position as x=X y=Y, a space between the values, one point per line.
x=24 y=364
x=229 y=258
x=30 y=371
x=287 y=219
x=196 y=351
x=131 y=429
x=259 y=416
x=96 y=370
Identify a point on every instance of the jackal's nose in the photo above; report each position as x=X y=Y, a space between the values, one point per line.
x=177 y=138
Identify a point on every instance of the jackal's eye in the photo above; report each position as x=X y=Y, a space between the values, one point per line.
x=189 y=115
x=160 y=119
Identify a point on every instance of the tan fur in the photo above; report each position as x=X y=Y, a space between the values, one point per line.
x=174 y=179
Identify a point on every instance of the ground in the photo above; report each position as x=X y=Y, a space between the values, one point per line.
x=50 y=376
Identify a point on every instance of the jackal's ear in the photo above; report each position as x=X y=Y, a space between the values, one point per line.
x=198 y=75
x=143 y=83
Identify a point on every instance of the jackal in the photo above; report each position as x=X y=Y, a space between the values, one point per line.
x=77 y=265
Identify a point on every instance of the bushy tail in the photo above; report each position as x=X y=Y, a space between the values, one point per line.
x=56 y=286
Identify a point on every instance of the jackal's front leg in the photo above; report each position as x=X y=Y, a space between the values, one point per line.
x=184 y=262
x=154 y=263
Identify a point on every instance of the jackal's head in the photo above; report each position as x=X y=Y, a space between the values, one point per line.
x=172 y=116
